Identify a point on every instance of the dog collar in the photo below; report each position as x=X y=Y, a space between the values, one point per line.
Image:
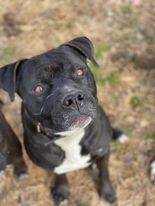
x=39 y=127
x=46 y=131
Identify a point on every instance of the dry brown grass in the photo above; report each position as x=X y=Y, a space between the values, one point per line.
x=120 y=31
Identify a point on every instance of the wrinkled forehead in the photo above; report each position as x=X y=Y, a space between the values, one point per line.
x=43 y=67
x=63 y=57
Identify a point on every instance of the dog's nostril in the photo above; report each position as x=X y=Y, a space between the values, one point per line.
x=73 y=100
x=80 y=97
x=68 y=102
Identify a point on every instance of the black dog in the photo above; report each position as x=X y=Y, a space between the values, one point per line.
x=65 y=128
x=10 y=148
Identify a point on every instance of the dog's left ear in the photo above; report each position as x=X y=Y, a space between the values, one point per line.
x=8 y=76
x=84 y=46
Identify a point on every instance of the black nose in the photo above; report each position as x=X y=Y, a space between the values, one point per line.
x=74 y=100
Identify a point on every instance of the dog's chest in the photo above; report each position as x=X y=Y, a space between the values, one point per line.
x=73 y=158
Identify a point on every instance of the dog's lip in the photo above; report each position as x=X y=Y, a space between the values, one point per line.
x=81 y=121
x=84 y=122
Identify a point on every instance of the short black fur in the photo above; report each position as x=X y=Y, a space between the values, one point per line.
x=10 y=148
x=66 y=102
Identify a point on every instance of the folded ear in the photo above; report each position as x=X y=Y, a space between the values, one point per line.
x=8 y=76
x=84 y=46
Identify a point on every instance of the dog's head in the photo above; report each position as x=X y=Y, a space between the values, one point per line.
x=57 y=87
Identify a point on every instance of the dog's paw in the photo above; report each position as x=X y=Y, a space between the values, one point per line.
x=20 y=171
x=59 y=193
x=108 y=194
x=3 y=162
x=152 y=171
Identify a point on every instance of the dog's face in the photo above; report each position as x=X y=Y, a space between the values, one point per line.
x=57 y=87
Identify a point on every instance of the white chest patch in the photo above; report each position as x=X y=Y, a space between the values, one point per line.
x=73 y=158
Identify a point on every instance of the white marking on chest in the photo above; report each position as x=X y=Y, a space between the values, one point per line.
x=69 y=143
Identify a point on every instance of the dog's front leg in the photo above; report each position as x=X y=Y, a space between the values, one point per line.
x=60 y=191
x=20 y=168
x=106 y=189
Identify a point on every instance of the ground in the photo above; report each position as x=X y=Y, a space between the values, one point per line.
x=123 y=33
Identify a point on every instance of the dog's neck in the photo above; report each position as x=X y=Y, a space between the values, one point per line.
x=37 y=126
x=50 y=133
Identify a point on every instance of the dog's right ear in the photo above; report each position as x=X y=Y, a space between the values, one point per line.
x=8 y=77
x=84 y=46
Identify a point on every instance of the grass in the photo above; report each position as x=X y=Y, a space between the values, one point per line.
x=125 y=9
x=112 y=78
x=114 y=29
x=100 y=49
x=5 y=55
x=149 y=39
x=136 y=102
x=150 y=135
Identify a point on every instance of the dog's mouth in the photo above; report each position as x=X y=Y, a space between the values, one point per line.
x=81 y=121
x=60 y=119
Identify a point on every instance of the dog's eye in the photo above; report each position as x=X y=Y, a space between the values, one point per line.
x=38 y=89
x=80 y=72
